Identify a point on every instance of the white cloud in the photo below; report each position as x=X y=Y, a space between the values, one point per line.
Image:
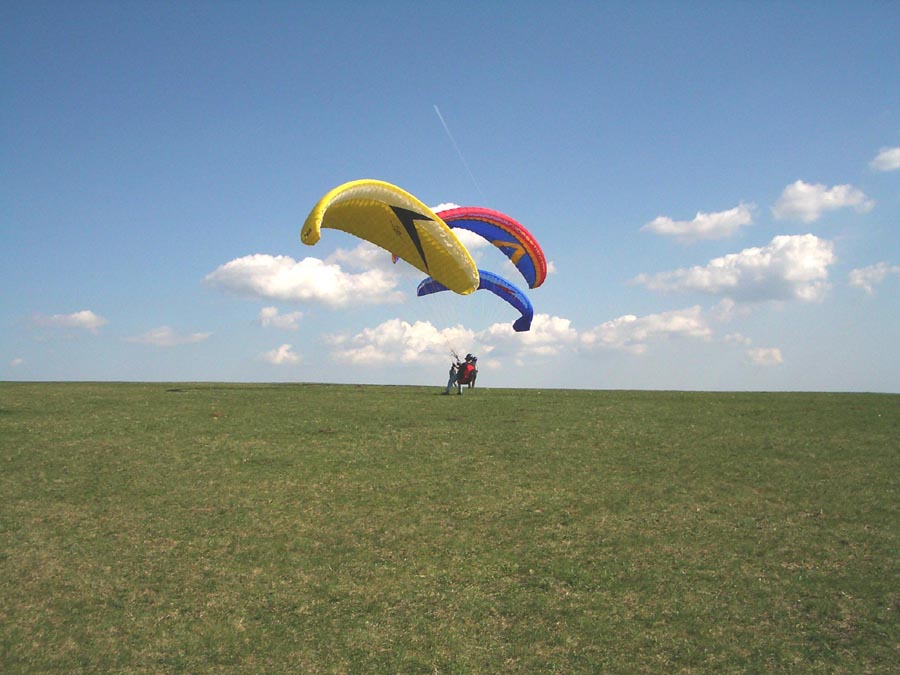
x=269 y=317
x=738 y=338
x=866 y=277
x=444 y=206
x=164 y=336
x=765 y=356
x=727 y=309
x=17 y=362
x=363 y=257
x=282 y=356
x=704 y=225
x=631 y=333
x=807 y=202
x=791 y=267
x=85 y=319
x=888 y=159
x=397 y=341
x=311 y=280
x=548 y=336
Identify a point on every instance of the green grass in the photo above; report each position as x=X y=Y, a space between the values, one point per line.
x=341 y=529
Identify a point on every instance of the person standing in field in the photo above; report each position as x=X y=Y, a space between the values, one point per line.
x=454 y=370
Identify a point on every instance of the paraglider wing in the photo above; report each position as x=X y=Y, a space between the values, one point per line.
x=505 y=233
x=497 y=285
x=393 y=219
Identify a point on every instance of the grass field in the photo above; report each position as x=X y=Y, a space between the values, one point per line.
x=342 y=529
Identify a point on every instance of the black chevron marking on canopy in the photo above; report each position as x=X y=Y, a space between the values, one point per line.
x=407 y=218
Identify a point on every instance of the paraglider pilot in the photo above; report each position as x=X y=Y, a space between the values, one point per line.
x=464 y=374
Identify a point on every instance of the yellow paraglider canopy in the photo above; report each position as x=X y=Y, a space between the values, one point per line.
x=393 y=219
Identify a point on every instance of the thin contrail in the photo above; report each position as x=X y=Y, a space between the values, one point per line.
x=459 y=152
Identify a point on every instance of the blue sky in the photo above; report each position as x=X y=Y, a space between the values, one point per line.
x=716 y=186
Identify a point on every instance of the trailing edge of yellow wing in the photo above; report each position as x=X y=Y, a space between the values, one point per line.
x=393 y=219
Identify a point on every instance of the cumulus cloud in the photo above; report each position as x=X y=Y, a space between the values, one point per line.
x=444 y=206
x=422 y=343
x=632 y=333
x=791 y=267
x=396 y=340
x=888 y=159
x=309 y=280
x=164 y=336
x=738 y=338
x=765 y=356
x=866 y=277
x=270 y=317
x=282 y=356
x=727 y=309
x=807 y=202
x=85 y=320
x=704 y=225
x=548 y=336
x=363 y=257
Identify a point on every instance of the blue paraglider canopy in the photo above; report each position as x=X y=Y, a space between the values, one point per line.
x=496 y=285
